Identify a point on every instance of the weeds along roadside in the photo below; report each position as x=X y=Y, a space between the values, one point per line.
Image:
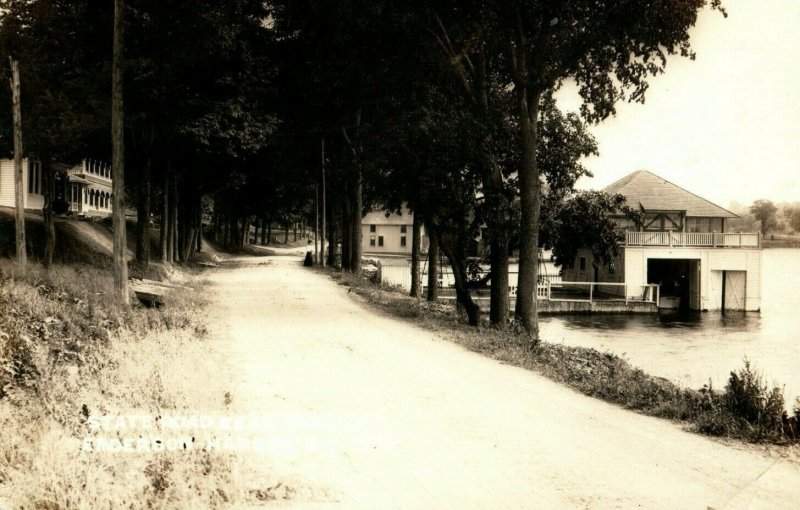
x=67 y=351
x=746 y=409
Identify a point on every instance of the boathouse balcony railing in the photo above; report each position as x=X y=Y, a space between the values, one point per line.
x=693 y=239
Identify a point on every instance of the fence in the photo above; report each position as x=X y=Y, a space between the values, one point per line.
x=589 y=292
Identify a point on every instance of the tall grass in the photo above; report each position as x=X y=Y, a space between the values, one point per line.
x=68 y=351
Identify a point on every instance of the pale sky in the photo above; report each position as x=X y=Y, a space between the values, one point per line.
x=725 y=125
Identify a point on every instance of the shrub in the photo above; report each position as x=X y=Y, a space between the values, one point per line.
x=404 y=308
x=749 y=399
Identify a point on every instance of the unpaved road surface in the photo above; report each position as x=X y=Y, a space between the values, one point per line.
x=367 y=412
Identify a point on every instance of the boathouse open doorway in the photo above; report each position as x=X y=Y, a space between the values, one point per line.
x=679 y=280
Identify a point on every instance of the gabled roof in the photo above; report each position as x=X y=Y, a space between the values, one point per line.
x=405 y=217
x=645 y=190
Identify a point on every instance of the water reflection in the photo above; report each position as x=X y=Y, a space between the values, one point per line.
x=693 y=347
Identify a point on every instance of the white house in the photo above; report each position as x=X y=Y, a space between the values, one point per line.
x=389 y=233
x=683 y=245
x=86 y=187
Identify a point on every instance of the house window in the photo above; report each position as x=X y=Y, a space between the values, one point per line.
x=402 y=229
x=612 y=270
x=372 y=240
x=583 y=263
x=34 y=178
x=380 y=240
x=402 y=240
x=372 y=228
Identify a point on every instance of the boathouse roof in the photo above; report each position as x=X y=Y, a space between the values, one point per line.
x=650 y=192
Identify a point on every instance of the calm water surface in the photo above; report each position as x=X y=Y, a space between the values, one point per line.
x=693 y=349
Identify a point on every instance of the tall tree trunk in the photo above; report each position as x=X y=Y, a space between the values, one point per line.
x=163 y=237
x=347 y=231
x=294 y=225
x=355 y=186
x=269 y=231
x=355 y=239
x=118 y=159
x=199 y=225
x=493 y=184
x=433 y=262
x=49 y=192
x=455 y=256
x=499 y=290
x=245 y=231
x=286 y=233
x=143 y=216
x=530 y=200
x=180 y=242
x=333 y=242
x=173 y=218
x=324 y=208
x=233 y=233
x=416 y=241
x=19 y=185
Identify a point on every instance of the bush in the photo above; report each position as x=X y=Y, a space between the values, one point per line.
x=749 y=399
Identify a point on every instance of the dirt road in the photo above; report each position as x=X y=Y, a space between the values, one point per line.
x=364 y=411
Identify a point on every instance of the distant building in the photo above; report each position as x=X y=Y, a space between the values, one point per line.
x=389 y=233
x=682 y=245
x=85 y=187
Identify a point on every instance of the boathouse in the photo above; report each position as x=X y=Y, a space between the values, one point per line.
x=85 y=188
x=682 y=245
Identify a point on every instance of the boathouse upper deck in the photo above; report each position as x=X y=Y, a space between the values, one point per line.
x=674 y=217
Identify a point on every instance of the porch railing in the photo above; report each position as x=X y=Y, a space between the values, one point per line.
x=694 y=239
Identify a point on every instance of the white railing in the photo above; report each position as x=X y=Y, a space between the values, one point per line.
x=588 y=292
x=92 y=167
x=693 y=239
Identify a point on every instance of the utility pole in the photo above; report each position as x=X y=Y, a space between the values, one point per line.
x=316 y=223
x=19 y=202
x=322 y=247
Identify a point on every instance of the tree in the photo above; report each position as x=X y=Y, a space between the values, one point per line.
x=18 y=185
x=792 y=215
x=765 y=212
x=584 y=220
x=120 y=265
x=65 y=73
x=609 y=48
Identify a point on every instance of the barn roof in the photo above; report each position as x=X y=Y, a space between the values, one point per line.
x=646 y=190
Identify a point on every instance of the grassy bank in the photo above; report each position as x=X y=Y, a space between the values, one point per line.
x=746 y=409
x=68 y=354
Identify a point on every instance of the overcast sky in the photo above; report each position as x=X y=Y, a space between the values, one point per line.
x=725 y=125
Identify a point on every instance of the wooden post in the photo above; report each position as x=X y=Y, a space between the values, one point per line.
x=118 y=160
x=19 y=198
x=322 y=245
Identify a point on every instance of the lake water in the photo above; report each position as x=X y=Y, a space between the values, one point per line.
x=693 y=349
